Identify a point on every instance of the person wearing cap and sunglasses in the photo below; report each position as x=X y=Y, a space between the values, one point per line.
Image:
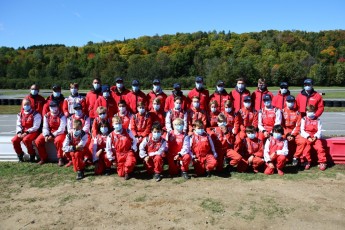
x=119 y=91
x=259 y=93
x=107 y=101
x=269 y=116
x=134 y=97
x=54 y=125
x=239 y=93
x=291 y=122
x=308 y=96
x=220 y=95
x=177 y=92
x=156 y=92
x=36 y=100
x=55 y=96
x=279 y=99
x=200 y=92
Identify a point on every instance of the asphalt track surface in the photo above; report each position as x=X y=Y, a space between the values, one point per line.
x=333 y=123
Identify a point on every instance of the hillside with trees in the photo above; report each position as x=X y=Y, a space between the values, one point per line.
x=275 y=55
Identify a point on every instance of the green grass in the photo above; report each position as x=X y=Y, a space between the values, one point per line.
x=212 y=205
x=9 y=109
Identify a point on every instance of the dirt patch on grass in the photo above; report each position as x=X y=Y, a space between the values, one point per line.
x=200 y=203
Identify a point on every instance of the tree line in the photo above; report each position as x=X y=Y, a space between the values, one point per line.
x=275 y=55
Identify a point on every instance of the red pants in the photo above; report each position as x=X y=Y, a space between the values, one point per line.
x=78 y=160
x=279 y=163
x=237 y=160
x=40 y=143
x=125 y=163
x=88 y=151
x=317 y=145
x=27 y=140
x=220 y=159
x=296 y=147
x=257 y=163
x=204 y=163
x=154 y=164
x=102 y=164
x=239 y=137
x=175 y=167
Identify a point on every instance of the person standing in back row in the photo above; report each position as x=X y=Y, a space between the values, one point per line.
x=258 y=95
x=200 y=92
x=220 y=96
x=280 y=99
x=239 y=93
x=308 y=96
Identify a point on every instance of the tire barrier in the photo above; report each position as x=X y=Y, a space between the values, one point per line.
x=328 y=103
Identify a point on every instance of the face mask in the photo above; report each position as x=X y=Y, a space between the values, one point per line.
x=122 y=109
x=290 y=104
x=267 y=103
x=141 y=110
x=222 y=124
x=106 y=94
x=117 y=127
x=311 y=115
x=103 y=116
x=240 y=86
x=156 y=107
x=156 y=88
x=53 y=109
x=307 y=88
x=228 y=110
x=119 y=85
x=77 y=133
x=283 y=91
x=247 y=104
x=213 y=110
x=96 y=86
x=199 y=85
x=199 y=131
x=26 y=108
x=177 y=106
x=196 y=104
x=74 y=91
x=156 y=135
x=34 y=92
x=179 y=128
x=262 y=87
x=277 y=136
x=56 y=94
x=78 y=113
x=135 y=88
x=251 y=135
x=220 y=88
x=104 y=130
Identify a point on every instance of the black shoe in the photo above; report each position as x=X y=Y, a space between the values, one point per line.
x=208 y=174
x=185 y=175
x=294 y=161
x=126 y=176
x=80 y=175
x=157 y=177
x=32 y=158
x=107 y=171
x=21 y=158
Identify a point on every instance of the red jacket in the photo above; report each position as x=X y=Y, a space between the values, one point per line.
x=220 y=98
x=250 y=147
x=152 y=95
x=69 y=102
x=247 y=117
x=175 y=143
x=222 y=141
x=126 y=118
x=117 y=95
x=203 y=95
x=108 y=103
x=58 y=100
x=237 y=98
x=169 y=103
x=141 y=124
x=291 y=121
x=95 y=124
x=91 y=98
x=257 y=97
x=194 y=115
x=121 y=143
x=132 y=100
x=233 y=121
x=280 y=99
x=314 y=98
x=37 y=102
x=201 y=146
x=158 y=116
x=213 y=119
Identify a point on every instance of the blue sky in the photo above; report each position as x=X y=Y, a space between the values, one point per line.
x=75 y=22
